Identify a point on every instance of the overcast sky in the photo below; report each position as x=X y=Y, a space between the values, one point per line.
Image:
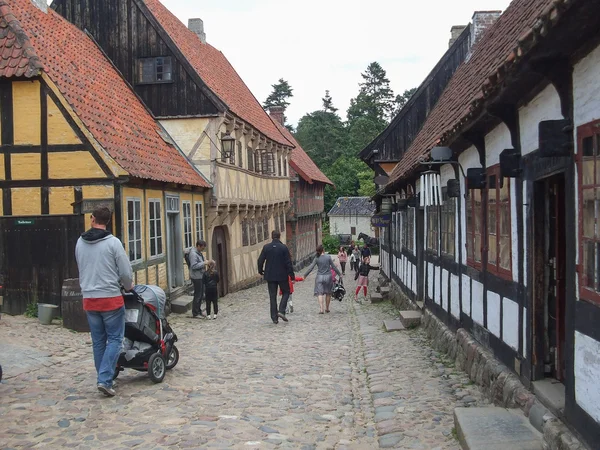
x=325 y=44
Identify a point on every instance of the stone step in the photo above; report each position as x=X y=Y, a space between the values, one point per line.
x=410 y=319
x=421 y=305
x=393 y=325
x=385 y=291
x=182 y=304
x=376 y=297
x=492 y=428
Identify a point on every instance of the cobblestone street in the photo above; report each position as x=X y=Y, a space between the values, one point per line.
x=320 y=381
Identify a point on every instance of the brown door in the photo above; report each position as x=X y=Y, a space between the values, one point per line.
x=220 y=254
x=549 y=277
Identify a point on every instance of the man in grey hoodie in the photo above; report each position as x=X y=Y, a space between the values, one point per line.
x=103 y=268
x=197 y=269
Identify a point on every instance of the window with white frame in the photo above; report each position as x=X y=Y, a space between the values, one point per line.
x=199 y=222
x=134 y=227
x=187 y=224
x=433 y=227
x=155 y=223
x=448 y=224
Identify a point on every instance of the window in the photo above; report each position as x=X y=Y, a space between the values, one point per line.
x=134 y=225
x=259 y=231
x=239 y=151
x=352 y=231
x=588 y=155
x=199 y=222
x=474 y=235
x=252 y=232
x=499 y=226
x=245 y=233
x=250 y=156
x=187 y=224
x=448 y=224
x=155 y=227
x=279 y=158
x=155 y=70
x=257 y=162
x=268 y=163
x=409 y=230
x=433 y=227
x=282 y=222
x=285 y=167
x=266 y=228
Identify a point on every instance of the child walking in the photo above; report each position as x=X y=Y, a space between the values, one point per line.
x=356 y=254
x=343 y=257
x=211 y=284
x=290 y=305
x=363 y=277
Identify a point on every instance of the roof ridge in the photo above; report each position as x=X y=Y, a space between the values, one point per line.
x=29 y=64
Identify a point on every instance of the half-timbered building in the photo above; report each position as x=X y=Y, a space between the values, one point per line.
x=495 y=205
x=304 y=231
x=74 y=136
x=192 y=89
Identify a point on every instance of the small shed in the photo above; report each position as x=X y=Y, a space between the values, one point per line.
x=351 y=215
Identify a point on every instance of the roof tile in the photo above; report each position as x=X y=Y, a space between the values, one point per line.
x=216 y=71
x=352 y=206
x=100 y=97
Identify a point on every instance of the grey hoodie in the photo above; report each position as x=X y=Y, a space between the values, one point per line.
x=197 y=264
x=103 y=264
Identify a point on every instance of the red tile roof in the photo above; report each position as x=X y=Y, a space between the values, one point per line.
x=216 y=71
x=18 y=58
x=466 y=89
x=301 y=162
x=101 y=98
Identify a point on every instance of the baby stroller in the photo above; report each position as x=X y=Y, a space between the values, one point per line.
x=149 y=343
x=338 y=289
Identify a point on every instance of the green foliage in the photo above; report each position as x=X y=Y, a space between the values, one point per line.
x=32 y=309
x=402 y=100
x=323 y=136
x=280 y=94
x=331 y=244
x=328 y=103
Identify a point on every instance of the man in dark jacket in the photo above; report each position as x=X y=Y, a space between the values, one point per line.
x=276 y=272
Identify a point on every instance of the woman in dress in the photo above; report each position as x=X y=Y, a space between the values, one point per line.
x=324 y=279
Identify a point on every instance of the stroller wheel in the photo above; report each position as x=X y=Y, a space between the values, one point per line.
x=173 y=358
x=156 y=368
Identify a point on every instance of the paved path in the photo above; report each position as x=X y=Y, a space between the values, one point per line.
x=320 y=381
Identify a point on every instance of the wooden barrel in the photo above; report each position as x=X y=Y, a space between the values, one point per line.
x=74 y=317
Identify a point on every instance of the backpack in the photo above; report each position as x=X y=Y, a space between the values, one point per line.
x=186 y=256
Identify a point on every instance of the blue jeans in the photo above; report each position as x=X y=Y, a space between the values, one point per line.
x=107 y=329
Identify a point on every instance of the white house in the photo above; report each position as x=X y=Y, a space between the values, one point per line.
x=351 y=216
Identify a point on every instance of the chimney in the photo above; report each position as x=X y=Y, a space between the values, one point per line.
x=481 y=21
x=197 y=26
x=41 y=4
x=455 y=32
x=277 y=113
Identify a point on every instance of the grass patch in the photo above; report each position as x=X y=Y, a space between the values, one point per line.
x=454 y=433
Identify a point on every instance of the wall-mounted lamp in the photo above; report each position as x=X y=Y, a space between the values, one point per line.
x=510 y=163
x=441 y=156
x=227 y=146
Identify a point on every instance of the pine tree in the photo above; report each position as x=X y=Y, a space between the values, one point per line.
x=328 y=103
x=402 y=100
x=280 y=94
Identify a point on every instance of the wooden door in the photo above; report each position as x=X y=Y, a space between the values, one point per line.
x=220 y=255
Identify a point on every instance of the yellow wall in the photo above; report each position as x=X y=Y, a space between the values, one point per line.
x=25 y=166
x=2 y=170
x=235 y=185
x=27 y=112
x=59 y=130
x=61 y=199
x=70 y=165
x=188 y=133
x=26 y=201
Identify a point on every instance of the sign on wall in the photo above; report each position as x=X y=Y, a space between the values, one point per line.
x=381 y=220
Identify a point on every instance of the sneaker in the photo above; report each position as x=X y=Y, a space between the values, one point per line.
x=291 y=308
x=214 y=316
x=108 y=391
x=282 y=317
x=207 y=317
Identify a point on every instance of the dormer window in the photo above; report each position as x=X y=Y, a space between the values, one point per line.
x=155 y=70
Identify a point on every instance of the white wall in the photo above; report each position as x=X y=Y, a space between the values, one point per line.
x=496 y=141
x=587 y=368
x=586 y=88
x=344 y=224
x=493 y=313
x=545 y=106
x=510 y=323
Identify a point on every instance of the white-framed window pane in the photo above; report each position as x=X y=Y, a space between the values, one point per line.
x=156 y=245
x=187 y=224
x=134 y=228
x=199 y=222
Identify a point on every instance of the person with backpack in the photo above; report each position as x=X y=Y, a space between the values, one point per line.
x=211 y=289
x=197 y=264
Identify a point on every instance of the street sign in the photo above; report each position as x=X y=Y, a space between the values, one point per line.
x=22 y=222
x=381 y=220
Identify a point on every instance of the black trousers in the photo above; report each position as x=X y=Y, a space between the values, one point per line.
x=212 y=298
x=343 y=264
x=285 y=289
x=198 y=294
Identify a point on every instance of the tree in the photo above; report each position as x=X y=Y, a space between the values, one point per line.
x=375 y=97
x=328 y=103
x=323 y=136
x=402 y=100
x=280 y=94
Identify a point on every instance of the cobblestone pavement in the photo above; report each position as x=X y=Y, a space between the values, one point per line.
x=336 y=380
